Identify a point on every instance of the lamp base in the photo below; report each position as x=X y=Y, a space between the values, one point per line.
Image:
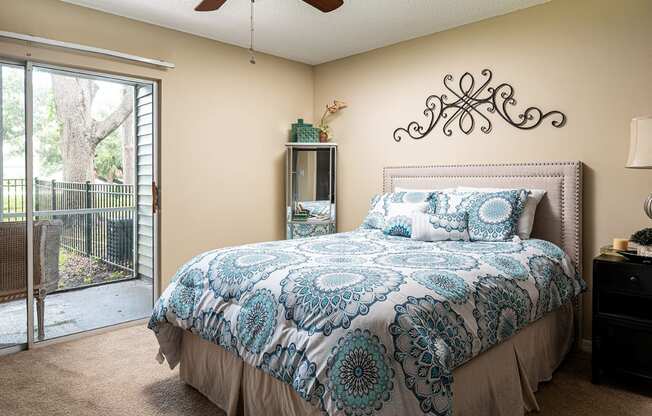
x=647 y=206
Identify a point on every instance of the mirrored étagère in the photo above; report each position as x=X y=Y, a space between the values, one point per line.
x=310 y=193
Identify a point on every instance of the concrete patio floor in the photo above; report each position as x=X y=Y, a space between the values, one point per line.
x=79 y=310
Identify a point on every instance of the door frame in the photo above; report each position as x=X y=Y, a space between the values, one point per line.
x=28 y=66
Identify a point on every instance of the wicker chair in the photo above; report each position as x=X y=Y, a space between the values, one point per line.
x=13 y=271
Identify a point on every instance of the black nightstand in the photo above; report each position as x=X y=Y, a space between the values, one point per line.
x=622 y=317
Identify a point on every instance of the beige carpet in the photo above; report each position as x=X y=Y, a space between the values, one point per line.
x=115 y=374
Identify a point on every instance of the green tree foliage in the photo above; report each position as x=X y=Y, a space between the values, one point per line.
x=108 y=158
x=47 y=133
x=13 y=102
x=48 y=130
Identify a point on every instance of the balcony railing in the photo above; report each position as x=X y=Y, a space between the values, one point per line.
x=98 y=219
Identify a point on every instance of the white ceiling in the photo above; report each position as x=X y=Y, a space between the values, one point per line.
x=294 y=30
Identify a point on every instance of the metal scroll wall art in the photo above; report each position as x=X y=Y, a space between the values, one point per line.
x=468 y=103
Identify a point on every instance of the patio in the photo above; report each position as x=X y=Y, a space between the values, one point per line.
x=73 y=311
x=92 y=254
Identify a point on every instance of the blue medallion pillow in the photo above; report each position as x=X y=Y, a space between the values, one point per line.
x=440 y=227
x=379 y=214
x=376 y=216
x=450 y=201
x=492 y=216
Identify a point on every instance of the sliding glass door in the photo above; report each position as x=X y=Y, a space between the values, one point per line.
x=13 y=227
x=85 y=202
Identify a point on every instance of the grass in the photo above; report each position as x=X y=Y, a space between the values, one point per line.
x=76 y=270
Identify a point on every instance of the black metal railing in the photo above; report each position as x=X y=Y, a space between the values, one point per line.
x=98 y=219
x=13 y=198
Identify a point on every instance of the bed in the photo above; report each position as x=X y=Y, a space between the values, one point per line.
x=362 y=323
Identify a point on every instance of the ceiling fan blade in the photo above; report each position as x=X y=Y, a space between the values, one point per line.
x=325 y=5
x=209 y=5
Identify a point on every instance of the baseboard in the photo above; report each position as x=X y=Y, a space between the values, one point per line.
x=586 y=345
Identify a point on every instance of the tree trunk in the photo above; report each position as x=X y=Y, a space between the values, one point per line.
x=77 y=155
x=73 y=99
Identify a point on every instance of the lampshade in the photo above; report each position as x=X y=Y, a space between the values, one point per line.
x=640 y=146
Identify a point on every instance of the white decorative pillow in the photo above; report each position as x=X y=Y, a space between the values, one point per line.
x=440 y=227
x=379 y=211
x=399 y=218
x=526 y=221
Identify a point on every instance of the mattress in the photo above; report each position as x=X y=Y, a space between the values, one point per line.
x=360 y=322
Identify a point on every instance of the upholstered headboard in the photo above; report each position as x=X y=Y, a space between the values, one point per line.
x=558 y=217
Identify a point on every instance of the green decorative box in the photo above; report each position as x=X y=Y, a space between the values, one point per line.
x=295 y=126
x=307 y=135
x=304 y=133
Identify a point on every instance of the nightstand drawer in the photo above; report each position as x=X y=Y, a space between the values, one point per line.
x=623 y=305
x=625 y=347
x=626 y=277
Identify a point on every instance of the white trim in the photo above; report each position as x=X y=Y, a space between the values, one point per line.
x=134 y=131
x=156 y=176
x=93 y=75
x=29 y=198
x=586 y=345
x=85 y=48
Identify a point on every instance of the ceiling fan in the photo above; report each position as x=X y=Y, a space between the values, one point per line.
x=323 y=5
x=212 y=5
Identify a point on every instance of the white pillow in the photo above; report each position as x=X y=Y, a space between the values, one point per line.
x=440 y=227
x=399 y=218
x=526 y=221
x=380 y=205
x=405 y=208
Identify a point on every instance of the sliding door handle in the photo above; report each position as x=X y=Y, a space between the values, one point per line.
x=155 y=198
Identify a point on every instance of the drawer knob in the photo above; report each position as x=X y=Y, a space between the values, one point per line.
x=633 y=279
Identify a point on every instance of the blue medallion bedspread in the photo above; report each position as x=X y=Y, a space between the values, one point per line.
x=362 y=323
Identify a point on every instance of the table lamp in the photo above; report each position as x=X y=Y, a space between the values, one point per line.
x=640 y=151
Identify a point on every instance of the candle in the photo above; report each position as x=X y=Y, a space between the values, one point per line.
x=621 y=244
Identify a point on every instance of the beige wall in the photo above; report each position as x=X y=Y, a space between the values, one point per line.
x=591 y=59
x=224 y=121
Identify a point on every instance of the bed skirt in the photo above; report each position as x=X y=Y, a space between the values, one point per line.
x=501 y=381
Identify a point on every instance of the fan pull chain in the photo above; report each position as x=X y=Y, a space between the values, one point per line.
x=252 y=59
